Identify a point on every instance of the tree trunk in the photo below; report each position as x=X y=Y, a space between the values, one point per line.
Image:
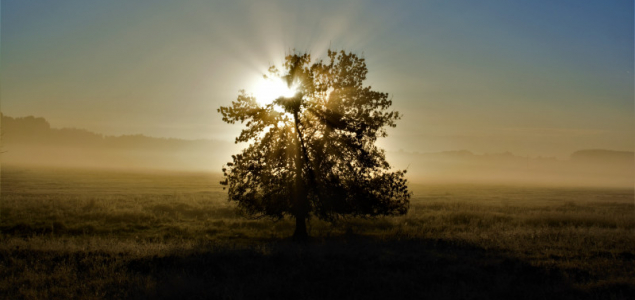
x=300 y=233
x=301 y=200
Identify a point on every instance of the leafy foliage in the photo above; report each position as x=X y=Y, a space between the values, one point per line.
x=315 y=152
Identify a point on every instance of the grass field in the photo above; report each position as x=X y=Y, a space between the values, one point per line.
x=80 y=234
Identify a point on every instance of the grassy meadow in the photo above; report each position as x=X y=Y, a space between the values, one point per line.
x=87 y=234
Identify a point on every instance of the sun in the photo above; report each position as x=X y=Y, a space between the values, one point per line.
x=270 y=89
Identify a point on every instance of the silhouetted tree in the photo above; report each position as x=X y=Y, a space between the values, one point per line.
x=314 y=154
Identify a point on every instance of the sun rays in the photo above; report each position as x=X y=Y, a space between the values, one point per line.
x=268 y=90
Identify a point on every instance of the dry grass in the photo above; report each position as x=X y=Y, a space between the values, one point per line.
x=103 y=235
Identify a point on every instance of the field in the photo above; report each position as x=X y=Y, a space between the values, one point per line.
x=80 y=234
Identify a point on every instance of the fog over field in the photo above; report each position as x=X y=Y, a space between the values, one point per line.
x=31 y=141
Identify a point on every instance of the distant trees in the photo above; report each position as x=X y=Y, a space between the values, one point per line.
x=32 y=141
x=314 y=154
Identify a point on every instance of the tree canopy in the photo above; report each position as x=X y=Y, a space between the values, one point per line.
x=314 y=154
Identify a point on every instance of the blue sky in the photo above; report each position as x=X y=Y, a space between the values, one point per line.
x=532 y=77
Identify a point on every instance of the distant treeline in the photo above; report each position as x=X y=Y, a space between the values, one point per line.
x=37 y=131
x=584 y=168
x=32 y=141
x=604 y=156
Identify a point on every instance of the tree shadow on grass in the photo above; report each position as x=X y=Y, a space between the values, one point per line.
x=355 y=267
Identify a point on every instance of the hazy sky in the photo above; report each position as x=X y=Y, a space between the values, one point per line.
x=542 y=77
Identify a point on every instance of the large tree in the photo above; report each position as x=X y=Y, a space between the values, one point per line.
x=313 y=153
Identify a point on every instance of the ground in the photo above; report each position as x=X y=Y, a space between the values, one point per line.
x=86 y=234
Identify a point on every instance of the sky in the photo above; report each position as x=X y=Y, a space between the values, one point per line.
x=536 y=78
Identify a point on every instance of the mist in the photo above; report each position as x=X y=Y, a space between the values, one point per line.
x=31 y=142
x=590 y=168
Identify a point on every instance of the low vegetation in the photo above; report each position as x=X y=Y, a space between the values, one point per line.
x=104 y=235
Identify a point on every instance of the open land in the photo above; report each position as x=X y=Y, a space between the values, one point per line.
x=87 y=234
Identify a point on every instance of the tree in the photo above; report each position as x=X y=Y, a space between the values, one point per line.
x=314 y=153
